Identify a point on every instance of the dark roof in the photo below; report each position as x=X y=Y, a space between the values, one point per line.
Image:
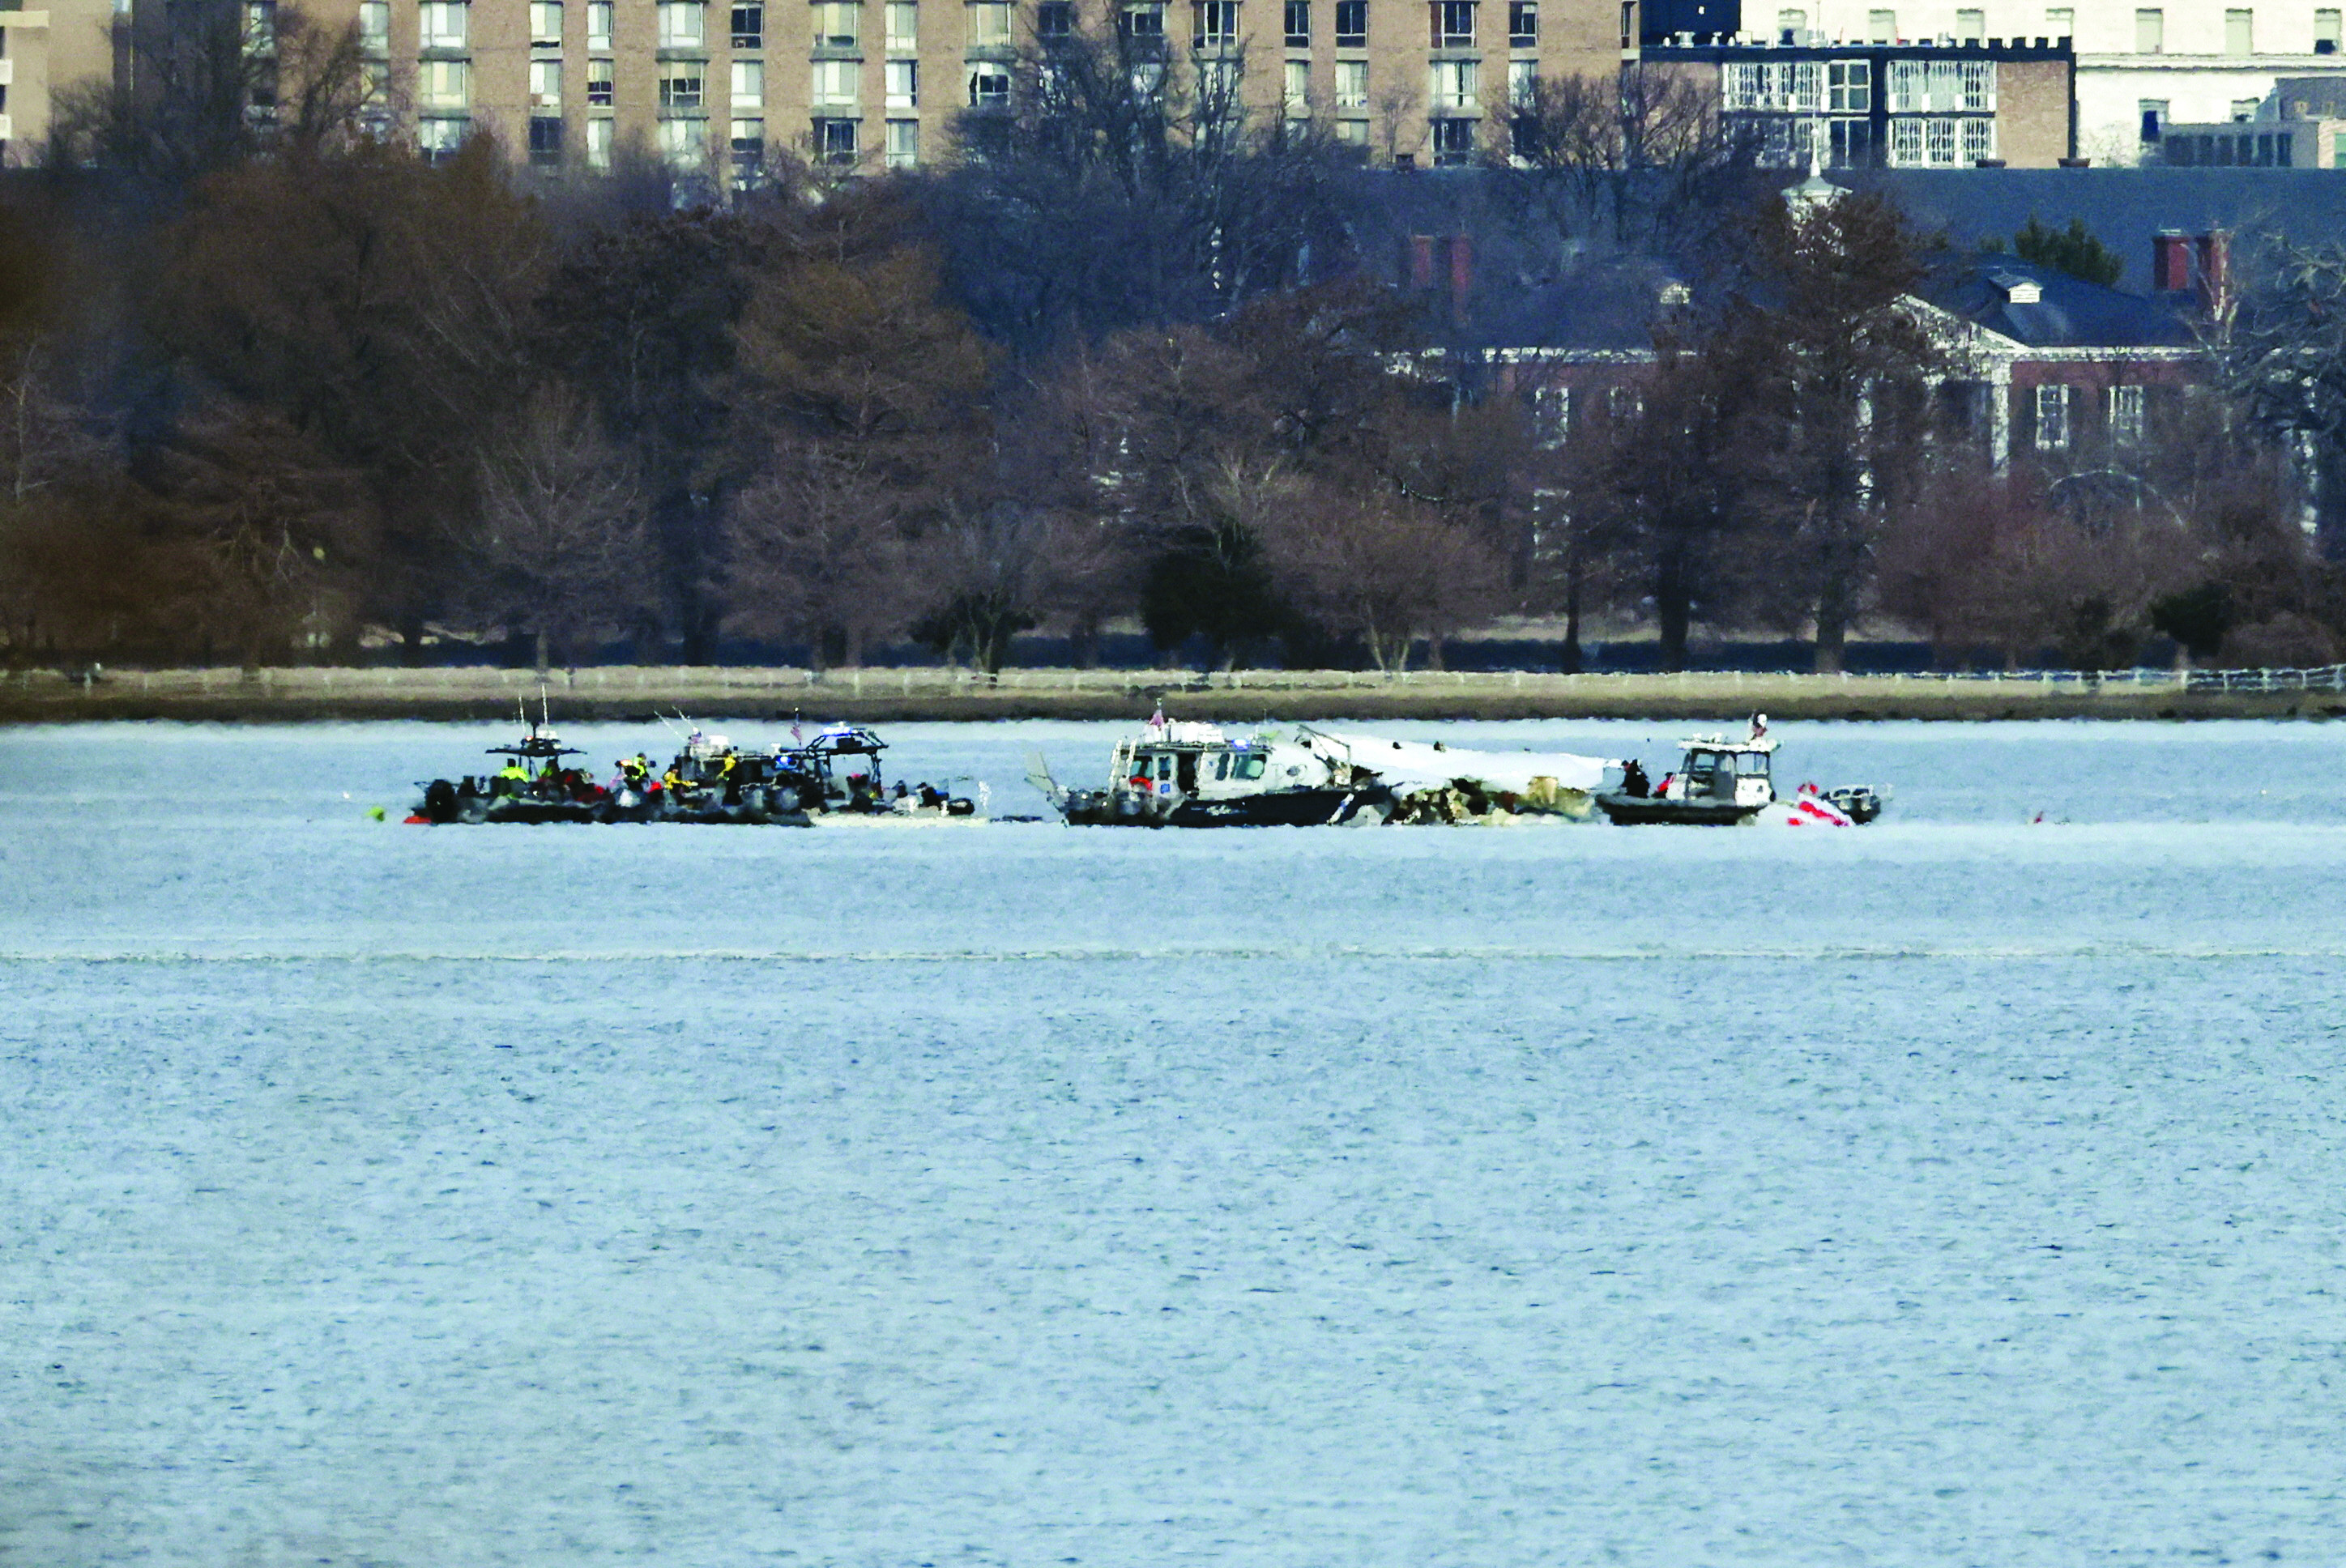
x=2124 y=208
x=2070 y=312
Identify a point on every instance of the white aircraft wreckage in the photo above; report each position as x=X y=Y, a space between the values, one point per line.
x=1186 y=775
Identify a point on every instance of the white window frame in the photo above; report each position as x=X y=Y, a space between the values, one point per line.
x=2127 y=408
x=903 y=84
x=837 y=85
x=1351 y=84
x=748 y=84
x=546 y=84
x=672 y=94
x=545 y=23
x=989 y=23
x=903 y=25
x=838 y=25
x=2053 y=432
x=443 y=23
x=598 y=33
x=903 y=148
x=683 y=24
x=443 y=84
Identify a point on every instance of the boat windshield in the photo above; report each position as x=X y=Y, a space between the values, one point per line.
x=1244 y=765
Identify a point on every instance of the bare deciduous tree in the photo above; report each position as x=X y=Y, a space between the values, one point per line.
x=816 y=552
x=560 y=548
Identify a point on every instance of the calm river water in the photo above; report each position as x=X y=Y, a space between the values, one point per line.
x=1966 y=1189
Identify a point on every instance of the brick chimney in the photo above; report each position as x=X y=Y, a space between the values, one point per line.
x=2215 y=270
x=1418 y=260
x=2171 y=261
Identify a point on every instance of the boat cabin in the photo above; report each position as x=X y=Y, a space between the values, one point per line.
x=844 y=761
x=1731 y=772
x=1182 y=761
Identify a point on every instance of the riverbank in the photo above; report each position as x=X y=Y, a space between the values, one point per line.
x=875 y=696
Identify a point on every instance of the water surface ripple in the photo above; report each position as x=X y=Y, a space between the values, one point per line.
x=1963 y=1190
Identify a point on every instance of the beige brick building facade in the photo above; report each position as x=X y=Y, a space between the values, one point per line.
x=880 y=83
x=41 y=49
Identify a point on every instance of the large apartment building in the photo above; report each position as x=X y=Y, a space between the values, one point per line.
x=2141 y=63
x=41 y=49
x=716 y=84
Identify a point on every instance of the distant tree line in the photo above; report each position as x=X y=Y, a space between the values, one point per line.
x=270 y=386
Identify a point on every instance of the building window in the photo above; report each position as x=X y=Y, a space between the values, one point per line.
x=989 y=86
x=2153 y=117
x=1523 y=24
x=1299 y=89
x=838 y=25
x=834 y=140
x=2325 y=32
x=260 y=27
x=2053 y=419
x=683 y=24
x=1453 y=24
x=1451 y=83
x=748 y=84
x=750 y=26
x=599 y=36
x=1298 y=24
x=2126 y=416
x=1145 y=20
x=747 y=146
x=1353 y=134
x=442 y=24
x=903 y=84
x=1850 y=86
x=1882 y=27
x=2240 y=32
x=2151 y=31
x=599 y=136
x=374 y=26
x=838 y=83
x=545 y=140
x=1351 y=84
x=1454 y=143
x=903 y=25
x=1351 y=24
x=1522 y=83
x=681 y=86
x=1971 y=27
x=1978 y=80
x=903 y=144
x=989 y=24
x=2061 y=23
x=1938 y=86
x=1215 y=23
x=442 y=84
x=685 y=142
x=1780 y=86
x=1979 y=140
x=598 y=87
x=1849 y=144
x=439 y=139
x=546 y=84
x=2244 y=110
x=1791 y=27
x=1148 y=80
x=545 y=25
x=1551 y=415
x=1054 y=19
